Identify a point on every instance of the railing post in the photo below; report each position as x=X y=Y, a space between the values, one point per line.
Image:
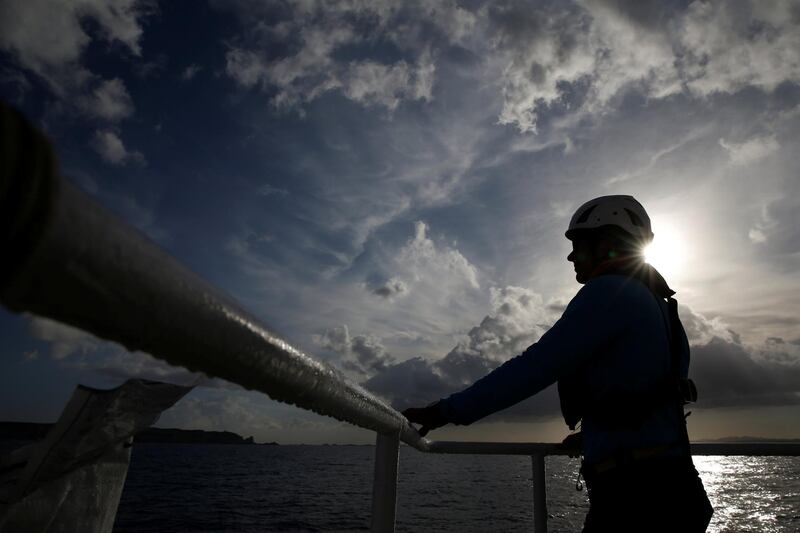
x=384 y=485
x=539 y=494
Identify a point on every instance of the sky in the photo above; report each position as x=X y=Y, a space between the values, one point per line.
x=387 y=186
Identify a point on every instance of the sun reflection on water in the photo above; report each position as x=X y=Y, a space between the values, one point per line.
x=752 y=493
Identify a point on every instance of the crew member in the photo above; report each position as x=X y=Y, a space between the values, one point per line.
x=621 y=359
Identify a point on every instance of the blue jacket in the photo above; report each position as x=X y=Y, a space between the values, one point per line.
x=614 y=338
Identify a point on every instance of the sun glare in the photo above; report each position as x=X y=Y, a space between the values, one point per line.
x=667 y=252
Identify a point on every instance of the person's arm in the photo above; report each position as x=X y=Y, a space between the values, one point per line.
x=592 y=319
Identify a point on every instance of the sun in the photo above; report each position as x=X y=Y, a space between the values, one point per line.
x=667 y=252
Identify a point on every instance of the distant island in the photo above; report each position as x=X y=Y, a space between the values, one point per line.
x=29 y=431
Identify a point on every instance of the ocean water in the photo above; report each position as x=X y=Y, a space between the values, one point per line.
x=188 y=488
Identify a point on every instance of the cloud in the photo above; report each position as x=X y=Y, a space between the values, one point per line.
x=726 y=372
x=49 y=39
x=362 y=354
x=302 y=79
x=701 y=330
x=388 y=288
x=566 y=57
x=64 y=340
x=122 y=365
x=731 y=374
x=110 y=101
x=110 y=147
x=517 y=319
x=763 y=227
x=244 y=66
x=750 y=150
x=267 y=190
x=190 y=72
x=226 y=410
x=729 y=46
x=423 y=259
x=318 y=60
x=17 y=82
x=78 y=349
x=757 y=235
x=372 y=83
x=582 y=55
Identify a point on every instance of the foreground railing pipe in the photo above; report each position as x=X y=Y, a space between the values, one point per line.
x=80 y=265
x=384 y=485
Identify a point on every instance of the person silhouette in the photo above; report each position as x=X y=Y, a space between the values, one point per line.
x=620 y=357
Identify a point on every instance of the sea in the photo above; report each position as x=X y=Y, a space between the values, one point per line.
x=231 y=488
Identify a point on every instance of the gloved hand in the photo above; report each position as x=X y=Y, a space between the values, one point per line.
x=429 y=417
x=573 y=444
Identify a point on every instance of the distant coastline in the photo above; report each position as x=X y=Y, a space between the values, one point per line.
x=745 y=438
x=30 y=431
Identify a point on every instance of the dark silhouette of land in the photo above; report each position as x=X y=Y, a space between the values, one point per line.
x=29 y=431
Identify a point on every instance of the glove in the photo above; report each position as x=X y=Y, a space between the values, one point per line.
x=429 y=417
x=573 y=444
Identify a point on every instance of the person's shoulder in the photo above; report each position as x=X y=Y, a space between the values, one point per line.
x=612 y=286
x=606 y=282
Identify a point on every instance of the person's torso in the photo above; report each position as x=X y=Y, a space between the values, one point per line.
x=626 y=371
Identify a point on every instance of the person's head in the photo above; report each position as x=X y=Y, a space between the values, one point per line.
x=607 y=228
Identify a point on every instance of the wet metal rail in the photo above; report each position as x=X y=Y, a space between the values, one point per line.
x=70 y=260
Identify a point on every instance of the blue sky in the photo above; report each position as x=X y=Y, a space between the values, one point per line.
x=388 y=184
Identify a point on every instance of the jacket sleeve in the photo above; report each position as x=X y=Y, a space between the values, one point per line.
x=591 y=320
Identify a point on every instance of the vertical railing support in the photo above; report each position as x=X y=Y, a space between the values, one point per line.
x=539 y=494
x=384 y=485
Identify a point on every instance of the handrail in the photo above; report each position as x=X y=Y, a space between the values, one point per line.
x=90 y=270
x=749 y=448
x=76 y=263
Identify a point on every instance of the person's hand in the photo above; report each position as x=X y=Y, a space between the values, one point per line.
x=429 y=417
x=573 y=444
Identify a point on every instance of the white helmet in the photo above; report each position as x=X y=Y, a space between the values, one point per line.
x=619 y=210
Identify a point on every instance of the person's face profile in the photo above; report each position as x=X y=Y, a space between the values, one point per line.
x=582 y=258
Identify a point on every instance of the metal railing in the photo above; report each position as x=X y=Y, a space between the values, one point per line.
x=72 y=261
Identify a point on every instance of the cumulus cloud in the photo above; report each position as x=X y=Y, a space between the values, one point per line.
x=111 y=148
x=49 y=38
x=727 y=372
x=702 y=330
x=362 y=354
x=423 y=259
x=751 y=150
x=517 y=319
